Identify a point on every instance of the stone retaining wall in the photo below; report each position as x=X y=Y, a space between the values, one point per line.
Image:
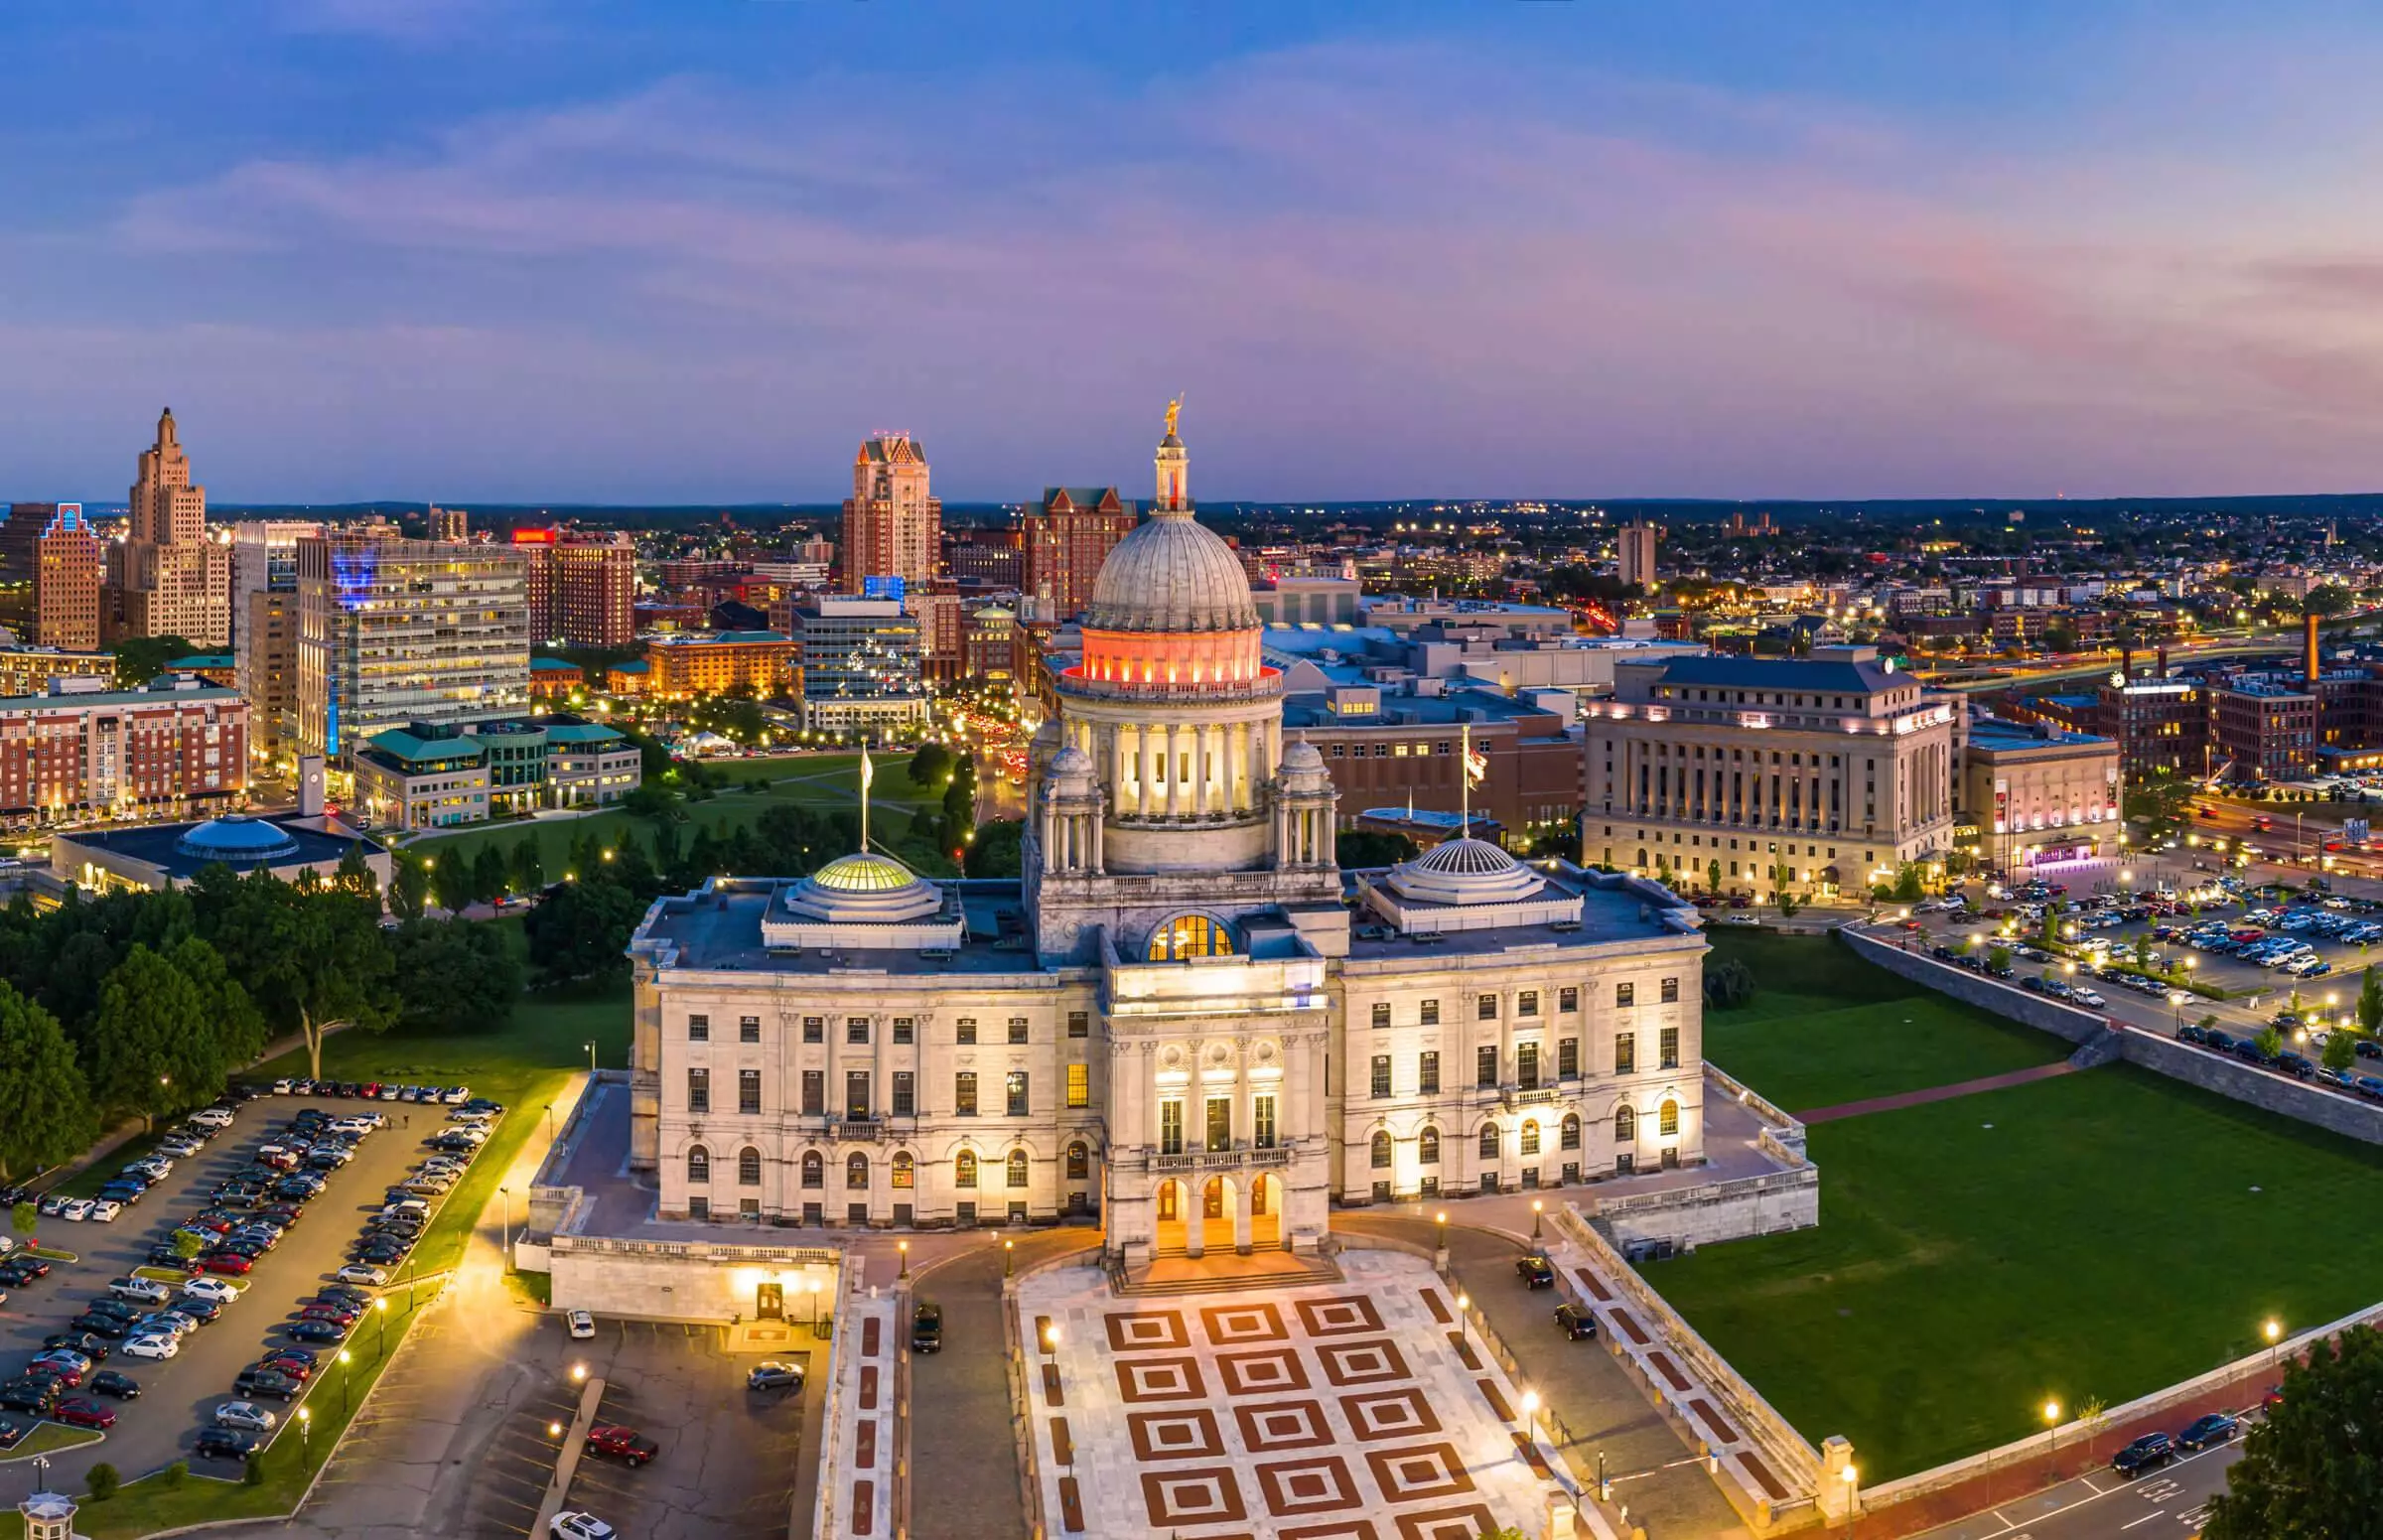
x=2261 y=1088
x=2008 y=1000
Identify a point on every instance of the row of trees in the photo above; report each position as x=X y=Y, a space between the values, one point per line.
x=141 y=1004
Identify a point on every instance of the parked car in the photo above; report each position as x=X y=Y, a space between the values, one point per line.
x=357 y=1272
x=626 y=1445
x=926 y=1327
x=213 y=1289
x=2148 y=1453
x=1536 y=1271
x=246 y=1414
x=32 y=1396
x=227 y=1444
x=2215 y=1428
x=773 y=1375
x=153 y=1347
x=108 y=1383
x=1576 y=1323
x=261 y=1381
x=83 y=1412
x=581 y=1324
x=225 y=1262
x=317 y=1330
x=570 y=1525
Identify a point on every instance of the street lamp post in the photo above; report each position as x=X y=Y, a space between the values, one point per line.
x=2275 y=1341
x=380 y=1326
x=1463 y=1325
x=903 y=1247
x=1537 y=1205
x=1009 y=1258
x=1440 y=1221
x=306 y=1429
x=505 y=1195
x=2051 y=1416
x=346 y=1362
x=590 y=1048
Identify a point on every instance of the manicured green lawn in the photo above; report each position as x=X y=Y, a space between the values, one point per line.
x=2092 y=1236
x=1825 y=1026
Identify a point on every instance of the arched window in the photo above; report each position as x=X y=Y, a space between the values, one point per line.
x=1572 y=1131
x=814 y=1169
x=963 y=1168
x=1530 y=1136
x=1489 y=1141
x=1190 y=935
x=1018 y=1176
x=1667 y=1121
x=1625 y=1125
x=1426 y=1146
x=699 y=1163
x=749 y=1167
x=1079 y=1163
x=855 y=1174
x=904 y=1170
x=1381 y=1151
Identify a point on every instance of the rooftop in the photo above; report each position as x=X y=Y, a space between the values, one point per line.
x=1811 y=675
x=1997 y=735
x=717 y=639
x=199 y=660
x=183 y=850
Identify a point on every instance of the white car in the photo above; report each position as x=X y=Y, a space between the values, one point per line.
x=151 y=1348
x=579 y=1526
x=215 y=1289
x=583 y=1325
x=75 y=1209
x=211 y=1117
x=105 y=1210
x=359 y=1273
x=245 y=1414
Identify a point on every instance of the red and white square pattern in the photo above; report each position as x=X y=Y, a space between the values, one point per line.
x=1331 y=1413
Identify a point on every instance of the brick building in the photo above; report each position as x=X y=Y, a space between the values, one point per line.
x=1067 y=536
x=146 y=753
x=594 y=590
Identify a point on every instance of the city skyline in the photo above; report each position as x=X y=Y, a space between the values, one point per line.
x=1532 y=251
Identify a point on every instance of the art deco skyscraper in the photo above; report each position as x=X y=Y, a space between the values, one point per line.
x=67 y=564
x=893 y=527
x=175 y=582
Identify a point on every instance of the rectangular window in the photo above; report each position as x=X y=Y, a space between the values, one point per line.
x=1530 y=1136
x=1171 y=1127
x=699 y=1091
x=1079 y=1085
x=1381 y=1075
x=748 y=1091
x=1221 y=1123
x=1526 y=1065
x=1486 y=1008
x=1485 y=1067
x=1526 y=1003
x=1667 y=1042
x=749 y=1029
x=1430 y=1013
x=1572 y=1134
x=1426 y=1074
x=1013 y=1086
x=814 y=1094
x=699 y=1029
x=814 y=1029
x=1567 y=999
x=906 y=1094
x=1625 y=994
x=904 y=1173
x=906 y=1029
x=699 y=1207
x=963 y=1094
x=1263 y=1134
x=1671 y=991
x=1625 y=1052
x=856 y=1029
x=856 y=1095
x=1568 y=1059
x=1668 y=1120
x=814 y=1172
x=1017 y=1029
x=967 y=1030
x=1079 y=1023
x=1381 y=1012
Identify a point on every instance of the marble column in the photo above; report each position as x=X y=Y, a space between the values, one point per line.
x=1241 y=1225
x=1146 y=741
x=1175 y=771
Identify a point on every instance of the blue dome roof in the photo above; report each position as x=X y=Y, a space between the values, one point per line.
x=237 y=839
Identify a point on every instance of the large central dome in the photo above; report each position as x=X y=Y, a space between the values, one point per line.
x=1172 y=575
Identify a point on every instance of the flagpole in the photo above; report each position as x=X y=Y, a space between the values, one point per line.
x=1464 y=781
x=865 y=777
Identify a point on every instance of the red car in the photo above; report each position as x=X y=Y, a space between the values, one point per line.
x=625 y=1445
x=289 y=1363
x=226 y=1262
x=331 y=1312
x=83 y=1412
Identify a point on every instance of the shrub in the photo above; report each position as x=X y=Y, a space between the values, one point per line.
x=1729 y=984
x=104 y=1481
x=174 y=1474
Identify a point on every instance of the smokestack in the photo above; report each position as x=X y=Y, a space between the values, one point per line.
x=2308 y=647
x=2126 y=660
x=2163 y=662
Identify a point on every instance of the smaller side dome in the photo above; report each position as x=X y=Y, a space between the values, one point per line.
x=1463 y=871
x=237 y=840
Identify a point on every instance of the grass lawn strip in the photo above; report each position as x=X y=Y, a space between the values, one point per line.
x=48 y=1437
x=1826 y=1058
x=2091 y=1236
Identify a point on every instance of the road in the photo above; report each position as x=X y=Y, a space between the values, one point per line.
x=2166 y=1504
x=177 y=1396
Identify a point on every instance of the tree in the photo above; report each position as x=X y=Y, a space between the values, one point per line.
x=45 y=1115
x=652 y=800
x=2311 y=1466
x=1909 y=883
x=186 y=1244
x=1998 y=959
x=312 y=962
x=140 y=659
x=582 y=930
x=527 y=867
x=450 y=883
x=454 y=976
x=1363 y=848
x=239 y=1027
x=1712 y=877
x=930 y=765
x=2370 y=1001
x=489 y=875
x=354 y=873
x=409 y=886
x=151 y=1048
x=25 y=1218
x=2341 y=1052
x=995 y=851
x=1729 y=984
x=2270 y=1041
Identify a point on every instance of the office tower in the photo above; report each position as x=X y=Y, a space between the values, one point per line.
x=1067 y=536
x=1638 y=549
x=20 y=537
x=450 y=524
x=536 y=550
x=175 y=582
x=393 y=630
x=593 y=589
x=68 y=564
x=862 y=662
x=264 y=615
x=892 y=527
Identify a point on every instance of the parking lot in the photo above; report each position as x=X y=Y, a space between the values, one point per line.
x=179 y=1395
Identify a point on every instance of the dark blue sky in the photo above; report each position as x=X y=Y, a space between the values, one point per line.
x=577 y=250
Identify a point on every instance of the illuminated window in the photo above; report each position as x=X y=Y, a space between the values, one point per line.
x=903 y=1170
x=1079 y=1085
x=1667 y=1120
x=963 y=1168
x=1190 y=935
x=1426 y=1146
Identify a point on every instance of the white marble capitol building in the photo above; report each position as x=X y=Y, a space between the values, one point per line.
x=1187 y=1019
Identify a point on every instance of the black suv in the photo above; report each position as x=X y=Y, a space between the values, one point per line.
x=1575 y=1322
x=2148 y=1453
x=926 y=1329
x=1536 y=1271
x=228 y=1443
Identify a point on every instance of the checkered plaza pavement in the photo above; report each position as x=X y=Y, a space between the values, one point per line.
x=1343 y=1411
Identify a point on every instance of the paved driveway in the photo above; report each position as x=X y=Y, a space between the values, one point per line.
x=177 y=1396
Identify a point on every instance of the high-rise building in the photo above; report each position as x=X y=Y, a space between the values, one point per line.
x=594 y=590
x=393 y=630
x=174 y=581
x=1067 y=536
x=536 y=549
x=68 y=565
x=892 y=526
x=20 y=535
x=1638 y=551
x=862 y=662
x=450 y=524
x=264 y=609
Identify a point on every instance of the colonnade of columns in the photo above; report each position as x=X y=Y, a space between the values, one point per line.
x=1183 y=769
